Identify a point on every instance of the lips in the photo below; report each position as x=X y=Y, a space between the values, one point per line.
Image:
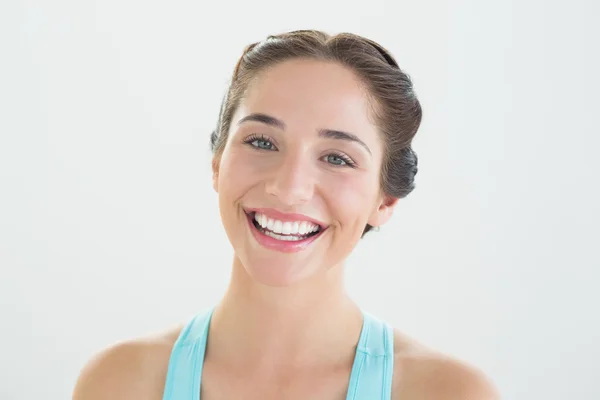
x=290 y=234
x=276 y=215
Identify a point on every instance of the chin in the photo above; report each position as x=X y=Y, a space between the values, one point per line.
x=276 y=270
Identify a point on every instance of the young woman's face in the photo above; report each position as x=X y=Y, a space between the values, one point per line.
x=298 y=179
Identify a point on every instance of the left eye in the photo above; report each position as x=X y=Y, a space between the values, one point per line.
x=335 y=160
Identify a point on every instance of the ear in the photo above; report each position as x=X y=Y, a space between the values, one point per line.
x=215 y=175
x=384 y=211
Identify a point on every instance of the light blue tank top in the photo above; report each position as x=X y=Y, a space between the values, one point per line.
x=371 y=377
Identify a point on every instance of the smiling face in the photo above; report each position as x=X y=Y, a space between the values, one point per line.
x=298 y=179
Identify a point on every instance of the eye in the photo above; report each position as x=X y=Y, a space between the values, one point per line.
x=260 y=142
x=340 y=160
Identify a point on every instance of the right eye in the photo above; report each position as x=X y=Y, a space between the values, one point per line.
x=260 y=142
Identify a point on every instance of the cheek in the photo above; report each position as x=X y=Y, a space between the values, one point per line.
x=236 y=171
x=351 y=197
x=242 y=167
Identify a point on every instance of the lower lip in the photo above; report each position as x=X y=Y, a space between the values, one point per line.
x=285 y=246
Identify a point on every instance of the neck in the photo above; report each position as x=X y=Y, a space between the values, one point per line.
x=313 y=322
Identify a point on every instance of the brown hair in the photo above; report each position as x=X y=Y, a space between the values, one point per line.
x=396 y=109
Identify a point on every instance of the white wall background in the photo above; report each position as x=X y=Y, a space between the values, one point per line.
x=109 y=228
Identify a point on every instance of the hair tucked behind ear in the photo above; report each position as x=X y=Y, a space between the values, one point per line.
x=395 y=107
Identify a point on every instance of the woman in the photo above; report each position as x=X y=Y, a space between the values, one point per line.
x=312 y=150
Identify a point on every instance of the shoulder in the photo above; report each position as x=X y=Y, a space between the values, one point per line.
x=130 y=369
x=424 y=374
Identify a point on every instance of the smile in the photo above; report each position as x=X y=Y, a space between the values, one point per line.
x=285 y=236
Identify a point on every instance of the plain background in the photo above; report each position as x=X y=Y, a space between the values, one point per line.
x=109 y=227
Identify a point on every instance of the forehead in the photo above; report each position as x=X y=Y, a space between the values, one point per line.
x=312 y=95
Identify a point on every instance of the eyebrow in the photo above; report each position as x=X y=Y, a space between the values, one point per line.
x=263 y=118
x=324 y=133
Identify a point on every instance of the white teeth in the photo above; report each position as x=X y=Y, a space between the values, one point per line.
x=286 y=228
x=290 y=228
x=303 y=228
x=288 y=238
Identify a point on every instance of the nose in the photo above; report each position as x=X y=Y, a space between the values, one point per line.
x=292 y=182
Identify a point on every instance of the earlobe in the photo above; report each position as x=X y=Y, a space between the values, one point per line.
x=383 y=212
x=215 y=175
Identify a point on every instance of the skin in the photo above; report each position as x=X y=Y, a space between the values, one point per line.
x=286 y=327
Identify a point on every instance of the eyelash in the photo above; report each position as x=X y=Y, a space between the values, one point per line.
x=262 y=138
x=253 y=138
x=349 y=162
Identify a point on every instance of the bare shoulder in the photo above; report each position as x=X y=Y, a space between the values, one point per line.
x=130 y=369
x=421 y=373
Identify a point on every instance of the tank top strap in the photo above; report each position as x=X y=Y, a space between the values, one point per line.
x=187 y=357
x=371 y=377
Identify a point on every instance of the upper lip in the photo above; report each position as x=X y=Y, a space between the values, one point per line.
x=285 y=217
